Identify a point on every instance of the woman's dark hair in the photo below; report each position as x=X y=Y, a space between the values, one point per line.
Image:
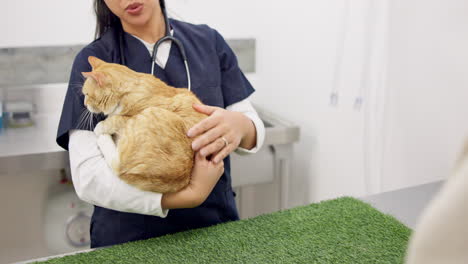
x=105 y=19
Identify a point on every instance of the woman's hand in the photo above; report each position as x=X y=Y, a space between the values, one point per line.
x=205 y=175
x=222 y=132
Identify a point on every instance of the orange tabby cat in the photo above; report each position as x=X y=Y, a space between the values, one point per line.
x=148 y=121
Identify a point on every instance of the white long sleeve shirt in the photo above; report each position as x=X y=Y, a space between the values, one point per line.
x=96 y=183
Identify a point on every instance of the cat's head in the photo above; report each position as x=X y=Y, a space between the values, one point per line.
x=105 y=86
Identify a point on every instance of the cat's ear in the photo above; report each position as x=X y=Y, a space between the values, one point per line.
x=97 y=76
x=95 y=62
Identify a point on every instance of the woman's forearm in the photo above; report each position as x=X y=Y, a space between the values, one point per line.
x=182 y=199
x=249 y=140
x=205 y=175
x=257 y=136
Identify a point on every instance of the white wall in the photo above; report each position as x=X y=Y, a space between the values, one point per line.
x=46 y=23
x=296 y=51
x=427 y=84
x=296 y=57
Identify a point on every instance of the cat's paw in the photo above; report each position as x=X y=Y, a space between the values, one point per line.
x=99 y=129
x=108 y=150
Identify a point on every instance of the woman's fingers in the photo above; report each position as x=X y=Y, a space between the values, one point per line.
x=199 y=157
x=214 y=147
x=202 y=126
x=220 y=123
x=223 y=152
x=220 y=167
x=208 y=137
x=205 y=109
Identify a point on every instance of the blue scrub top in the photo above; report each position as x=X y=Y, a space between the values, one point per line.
x=216 y=80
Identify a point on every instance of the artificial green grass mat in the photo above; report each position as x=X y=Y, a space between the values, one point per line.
x=344 y=230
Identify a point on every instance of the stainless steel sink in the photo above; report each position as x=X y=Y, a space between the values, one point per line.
x=273 y=161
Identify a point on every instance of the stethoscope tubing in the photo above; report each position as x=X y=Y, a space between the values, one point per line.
x=167 y=37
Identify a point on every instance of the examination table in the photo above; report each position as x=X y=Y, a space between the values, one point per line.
x=344 y=230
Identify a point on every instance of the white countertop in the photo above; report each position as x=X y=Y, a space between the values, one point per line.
x=406 y=204
x=37 y=139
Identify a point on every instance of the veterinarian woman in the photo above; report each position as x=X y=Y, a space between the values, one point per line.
x=126 y=32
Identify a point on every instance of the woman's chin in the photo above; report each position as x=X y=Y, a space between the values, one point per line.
x=137 y=21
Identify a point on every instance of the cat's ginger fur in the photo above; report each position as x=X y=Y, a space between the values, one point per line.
x=149 y=121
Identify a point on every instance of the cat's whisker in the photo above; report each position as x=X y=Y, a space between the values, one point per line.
x=85 y=123
x=82 y=77
x=88 y=117
x=82 y=118
x=92 y=121
x=76 y=83
x=85 y=119
x=76 y=88
x=91 y=118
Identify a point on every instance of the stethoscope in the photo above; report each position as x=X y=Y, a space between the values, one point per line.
x=167 y=37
